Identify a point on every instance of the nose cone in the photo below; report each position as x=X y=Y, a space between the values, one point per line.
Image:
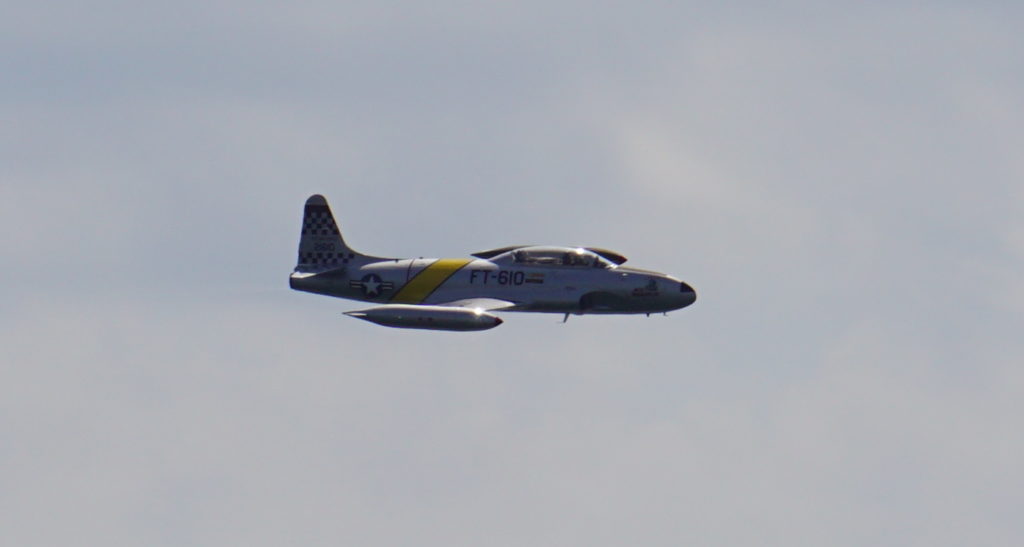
x=689 y=296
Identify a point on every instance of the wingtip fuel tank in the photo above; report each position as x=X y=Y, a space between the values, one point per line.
x=428 y=317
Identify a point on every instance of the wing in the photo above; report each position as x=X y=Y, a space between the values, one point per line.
x=484 y=304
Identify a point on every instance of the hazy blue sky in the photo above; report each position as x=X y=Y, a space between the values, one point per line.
x=841 y=183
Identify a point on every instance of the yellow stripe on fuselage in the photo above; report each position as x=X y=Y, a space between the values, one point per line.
x=428 y=280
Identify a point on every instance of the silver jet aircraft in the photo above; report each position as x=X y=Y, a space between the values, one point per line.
x=460 y=293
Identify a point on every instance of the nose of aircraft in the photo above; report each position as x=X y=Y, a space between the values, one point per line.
x=689 y=295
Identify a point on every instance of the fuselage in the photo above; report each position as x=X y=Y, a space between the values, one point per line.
x=537 y=279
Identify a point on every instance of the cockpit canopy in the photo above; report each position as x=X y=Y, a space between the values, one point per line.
x=564 y=257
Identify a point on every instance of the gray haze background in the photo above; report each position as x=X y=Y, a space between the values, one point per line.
x=840 y=182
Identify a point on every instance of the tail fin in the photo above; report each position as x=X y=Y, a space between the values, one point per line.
x=321 y=246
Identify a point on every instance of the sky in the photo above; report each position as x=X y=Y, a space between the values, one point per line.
x=840 y=182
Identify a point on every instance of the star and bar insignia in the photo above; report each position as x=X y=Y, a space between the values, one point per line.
x=372 y=285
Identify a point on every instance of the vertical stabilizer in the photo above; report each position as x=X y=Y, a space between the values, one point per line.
x=321 y=246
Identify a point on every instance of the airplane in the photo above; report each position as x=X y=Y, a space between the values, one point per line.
x=459 y=294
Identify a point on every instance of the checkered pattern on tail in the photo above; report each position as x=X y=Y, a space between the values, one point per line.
x=326 y=259
x=321 y=246
x=319 y=221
